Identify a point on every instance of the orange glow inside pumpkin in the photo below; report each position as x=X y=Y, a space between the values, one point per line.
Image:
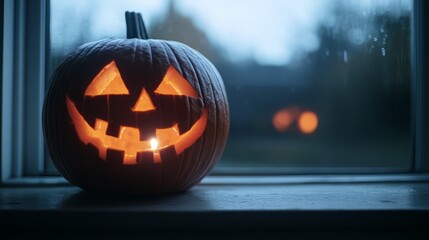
x=109 y=82
x=144 y=103
x=129 y=137
x=174 y=83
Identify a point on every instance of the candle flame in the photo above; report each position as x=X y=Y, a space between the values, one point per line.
x=154 y=143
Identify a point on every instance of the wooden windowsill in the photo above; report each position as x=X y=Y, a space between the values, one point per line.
x=394 y=208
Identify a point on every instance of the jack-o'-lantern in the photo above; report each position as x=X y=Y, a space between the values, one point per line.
x=135 y=116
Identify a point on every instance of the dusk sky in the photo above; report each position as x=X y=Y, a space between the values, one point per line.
x=272 y=32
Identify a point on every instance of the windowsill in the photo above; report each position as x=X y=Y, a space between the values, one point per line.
x=221 y=204
x=250 y=179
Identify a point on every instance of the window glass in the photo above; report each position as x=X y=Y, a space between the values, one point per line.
x=322 y=84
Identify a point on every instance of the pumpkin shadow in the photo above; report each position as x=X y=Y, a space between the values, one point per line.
x=188 y=200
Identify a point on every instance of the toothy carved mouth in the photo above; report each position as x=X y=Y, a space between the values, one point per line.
x=129 y=140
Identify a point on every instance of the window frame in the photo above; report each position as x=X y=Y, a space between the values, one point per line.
x=23 y=70
x=23 y=82
x=420 y=85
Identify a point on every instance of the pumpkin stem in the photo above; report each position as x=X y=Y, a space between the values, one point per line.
x=135 y=25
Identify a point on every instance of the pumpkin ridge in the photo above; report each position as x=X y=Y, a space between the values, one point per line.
x=191 y=173
x=203 y=139
x=90 y=50
x=149 y=51
x=165 y=57
x=199 y=77
x=134 y=51
x=53 y=86
x=219 y=147
x=190 y=116
x=183 y=161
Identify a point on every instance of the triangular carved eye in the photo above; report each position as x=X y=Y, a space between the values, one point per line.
x=174 y=83
x=107 y=82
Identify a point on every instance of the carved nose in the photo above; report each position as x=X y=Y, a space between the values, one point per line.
x=144 y=103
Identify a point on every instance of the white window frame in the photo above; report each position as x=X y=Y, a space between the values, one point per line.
x=23 y=81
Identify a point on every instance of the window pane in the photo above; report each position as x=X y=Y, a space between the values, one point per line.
x=311 y=84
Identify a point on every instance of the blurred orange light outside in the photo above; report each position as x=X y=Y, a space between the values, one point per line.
x=282 y=120
x=308 y=122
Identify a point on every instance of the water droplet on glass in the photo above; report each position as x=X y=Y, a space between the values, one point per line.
x=383 y=52
x=345 y=56
x=375 y=39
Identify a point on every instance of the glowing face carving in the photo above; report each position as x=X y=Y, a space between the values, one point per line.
x=109 y=82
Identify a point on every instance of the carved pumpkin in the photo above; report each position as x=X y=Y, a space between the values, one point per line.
x=135 y=116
